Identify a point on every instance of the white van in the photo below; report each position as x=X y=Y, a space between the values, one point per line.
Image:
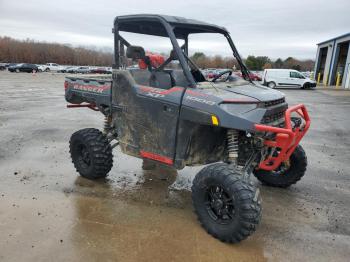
x=286 y=77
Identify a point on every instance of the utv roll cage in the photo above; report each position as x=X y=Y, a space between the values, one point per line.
x=172 y=27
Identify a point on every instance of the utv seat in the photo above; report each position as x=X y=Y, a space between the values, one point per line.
x=160 y=79
x=147 y=77
x=155 y=79
x=179 y=78
x=141 y=77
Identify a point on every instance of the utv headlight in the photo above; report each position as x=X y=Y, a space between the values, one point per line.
x=235 y=109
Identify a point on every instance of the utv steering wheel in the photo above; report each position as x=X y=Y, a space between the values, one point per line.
x=229 y=72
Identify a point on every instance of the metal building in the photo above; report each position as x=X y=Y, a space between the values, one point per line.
x=332 y=65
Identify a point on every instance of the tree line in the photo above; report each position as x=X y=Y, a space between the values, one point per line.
x=253 y=62
x=30 y=51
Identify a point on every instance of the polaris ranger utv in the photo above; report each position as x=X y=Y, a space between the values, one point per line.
x=178 y=118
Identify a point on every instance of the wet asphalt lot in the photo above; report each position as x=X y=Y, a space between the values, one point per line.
x=49 y=213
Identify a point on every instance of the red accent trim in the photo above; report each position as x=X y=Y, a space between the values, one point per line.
x=195 y=93
x=156 y=157
x=160 y=91
x=286 y=138
x=91 y=106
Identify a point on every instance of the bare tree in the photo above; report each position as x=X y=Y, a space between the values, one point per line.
x=30 y=51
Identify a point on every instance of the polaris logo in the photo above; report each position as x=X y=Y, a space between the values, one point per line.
x=200 y=100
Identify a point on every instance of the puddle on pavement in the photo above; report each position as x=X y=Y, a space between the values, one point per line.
x=146 y=218
x=159 y=186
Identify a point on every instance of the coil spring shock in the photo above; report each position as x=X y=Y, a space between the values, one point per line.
x=107 y=124
x=232 y=146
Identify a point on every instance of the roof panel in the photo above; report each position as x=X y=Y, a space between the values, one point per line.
x=151 y=24
x=335 y=38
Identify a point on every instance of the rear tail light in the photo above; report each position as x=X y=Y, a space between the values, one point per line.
x=65 y=85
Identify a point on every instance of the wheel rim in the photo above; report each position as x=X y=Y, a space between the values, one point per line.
x=271 y=85
x=282 y=169
x=219 y=205
x=83 y=156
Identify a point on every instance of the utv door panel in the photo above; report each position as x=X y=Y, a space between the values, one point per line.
x=147 y=116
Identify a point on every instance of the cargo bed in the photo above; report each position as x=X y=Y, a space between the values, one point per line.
x=91 y=89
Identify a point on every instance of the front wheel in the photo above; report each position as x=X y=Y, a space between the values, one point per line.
x=227 y=206
x=91 y=153
x=288 y=173
x=271 y=85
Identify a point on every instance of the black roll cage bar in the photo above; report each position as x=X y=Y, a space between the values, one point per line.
x=120 y=42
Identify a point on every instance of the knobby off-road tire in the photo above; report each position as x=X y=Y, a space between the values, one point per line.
x=298 y=163
x=91 y=153
x=241 y=203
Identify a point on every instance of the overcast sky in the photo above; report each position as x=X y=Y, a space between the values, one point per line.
x=275 y=28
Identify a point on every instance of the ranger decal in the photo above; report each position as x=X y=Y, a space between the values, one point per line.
x=91 y=88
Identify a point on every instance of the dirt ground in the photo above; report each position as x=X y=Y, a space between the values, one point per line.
x=49 y=213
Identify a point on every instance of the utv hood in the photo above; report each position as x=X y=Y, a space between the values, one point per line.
x=227 y=91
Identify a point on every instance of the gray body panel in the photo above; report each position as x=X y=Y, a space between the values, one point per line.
x=90 y=89
x=166 y=122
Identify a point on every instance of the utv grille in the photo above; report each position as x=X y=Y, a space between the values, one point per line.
x=272 y=118
x=275 y=102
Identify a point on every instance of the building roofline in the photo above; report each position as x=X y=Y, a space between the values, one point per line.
x=335 y=38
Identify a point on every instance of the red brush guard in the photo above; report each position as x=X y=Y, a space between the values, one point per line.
x=286 y=139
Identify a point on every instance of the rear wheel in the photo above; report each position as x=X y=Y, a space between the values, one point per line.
x=271 y=85
x=91 y=153
x=227 y=206
x=307 y=86
x=288 y=173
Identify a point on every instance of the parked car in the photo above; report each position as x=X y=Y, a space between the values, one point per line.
x=101 y=70
x=10 y=64
x=42 y=68
x=29 y=68
x=252 y=76
x=286 y=77
x=2 y=66
x=212 y=73
x=72 y=69
x=53 y=67
x=65 y=69
x=83 y=70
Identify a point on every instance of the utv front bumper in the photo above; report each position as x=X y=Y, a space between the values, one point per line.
x=286 y=139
